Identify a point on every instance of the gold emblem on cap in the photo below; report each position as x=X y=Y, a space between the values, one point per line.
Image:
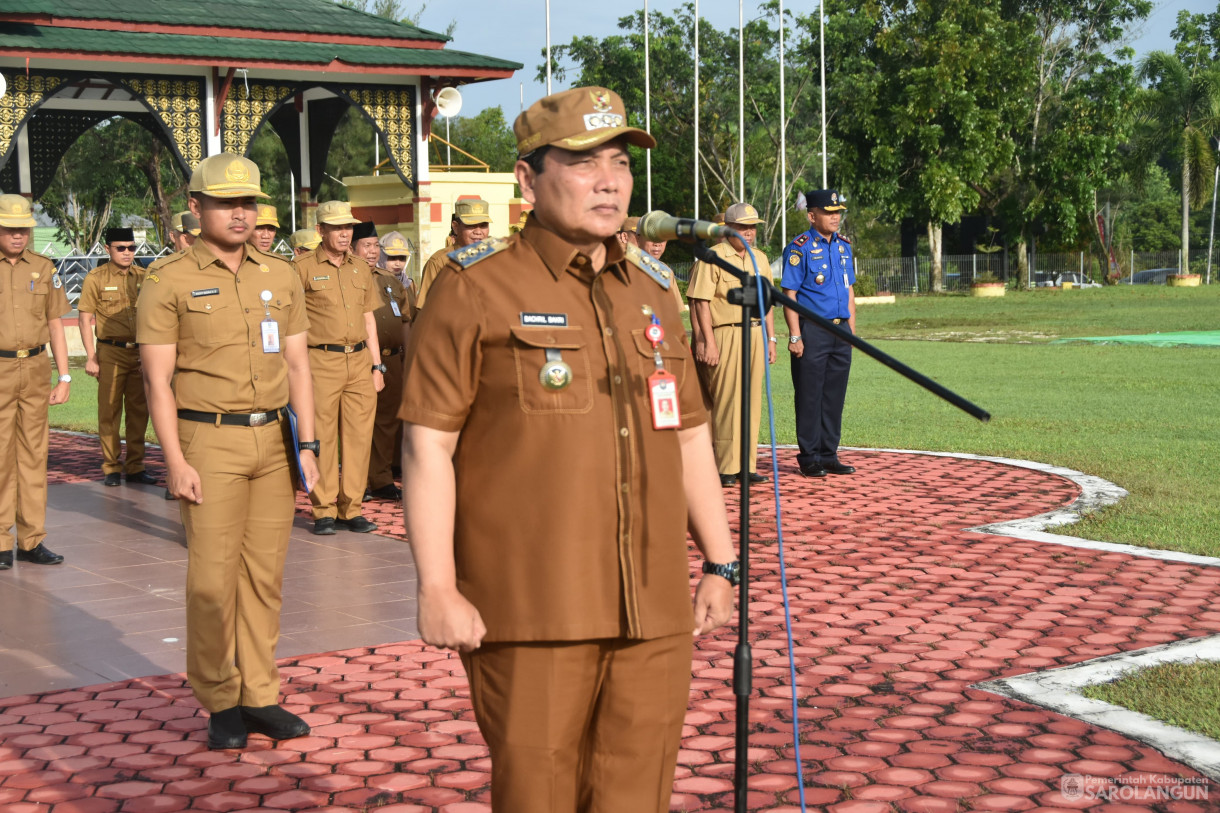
x=601 y=101
x=834 y=197
x=555 y=375
x=236 y=172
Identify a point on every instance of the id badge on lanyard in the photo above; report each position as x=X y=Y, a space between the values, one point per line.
x=270 y=327
x=393 y=302
x=662 y=386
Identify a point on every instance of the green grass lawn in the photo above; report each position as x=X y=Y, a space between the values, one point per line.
x=1186 y=695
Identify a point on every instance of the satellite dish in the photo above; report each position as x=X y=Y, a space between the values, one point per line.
x=448 y=102
x=3 y=86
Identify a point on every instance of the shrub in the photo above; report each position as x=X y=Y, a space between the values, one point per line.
x=865 y=285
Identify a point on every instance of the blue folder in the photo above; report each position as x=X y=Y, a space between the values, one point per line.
x=296 y=447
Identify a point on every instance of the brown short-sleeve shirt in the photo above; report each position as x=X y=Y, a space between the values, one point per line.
x=571 y=517
x=713 y=284
x=337 y=297
x=215 y=317
x=389 y=326
x=110 y=293
x=31 y=294
x=428 y=276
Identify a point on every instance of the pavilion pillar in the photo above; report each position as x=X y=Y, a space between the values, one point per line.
x=24 y=184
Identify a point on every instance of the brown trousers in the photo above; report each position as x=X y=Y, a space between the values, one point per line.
x=590 y=726
x=25 y=392
x=120 y=394
x=724 y=386
x=237 y=539
x=387 y=426
x=344 y=404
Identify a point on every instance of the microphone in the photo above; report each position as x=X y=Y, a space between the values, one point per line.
x=659 y=226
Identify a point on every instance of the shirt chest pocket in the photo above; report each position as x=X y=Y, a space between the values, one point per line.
x=109 y=303
x=322 y=286
x=553 y=369
x=672 y=356
x=210 y=321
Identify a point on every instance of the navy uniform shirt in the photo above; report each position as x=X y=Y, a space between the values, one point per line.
x=820 y=271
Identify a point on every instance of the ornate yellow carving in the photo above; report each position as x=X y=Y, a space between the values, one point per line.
x=392 y=110
x=24 y=92
x=244 y=113
x=178 y=103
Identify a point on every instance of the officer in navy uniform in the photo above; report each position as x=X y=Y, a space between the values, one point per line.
x=819 y=271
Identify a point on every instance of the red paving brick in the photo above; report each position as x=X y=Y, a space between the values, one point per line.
x=897 y=611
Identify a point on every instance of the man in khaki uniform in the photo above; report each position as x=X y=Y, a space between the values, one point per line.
x=304 y=241
x=224 y=429
x=470 y=224
x=654 y=248
x=547 y=502
x=32 y=307
x=718 y=345
x=265 y=228
x=341 y=297
x=108 y=302
x=393 y=326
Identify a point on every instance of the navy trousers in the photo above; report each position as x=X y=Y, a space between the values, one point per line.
x=819 y=378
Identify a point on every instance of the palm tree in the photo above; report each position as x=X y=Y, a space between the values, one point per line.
x=1181 y=108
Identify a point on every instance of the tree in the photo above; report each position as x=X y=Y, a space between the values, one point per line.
x=1181 y=107
x=487 y=136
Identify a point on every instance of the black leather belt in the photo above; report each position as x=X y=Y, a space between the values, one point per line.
x=232 y=418
x=753 y=323
x=339 y=348
x=21 y=354
x=124 y=345
x=391 y=351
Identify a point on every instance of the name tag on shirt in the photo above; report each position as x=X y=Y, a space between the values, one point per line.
x=111 y=288
x=544 y=319
x=845 y=282
x=271 y=336
x=206 y=292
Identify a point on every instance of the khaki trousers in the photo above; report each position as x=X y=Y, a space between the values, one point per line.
x=25 y=392
x=590 y=726
x=345 y=404
x=120 y=389
x=724 y=385
x=387 y=426
x=237 y=539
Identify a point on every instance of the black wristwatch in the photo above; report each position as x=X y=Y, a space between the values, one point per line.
x=379 y=368
x=730 y=571
x=314 y=446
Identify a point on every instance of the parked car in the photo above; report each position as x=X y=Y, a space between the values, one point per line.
x=1152 y=276
x=1046 y=280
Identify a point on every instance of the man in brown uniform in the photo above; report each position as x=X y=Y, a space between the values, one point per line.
x=32 y=307
x=393 y=326
x=232 y=321
x=547 y=501
x=470 y=224
x=304 y=241
x=340 y=296
x=268 y=223
x=108 y=302
x=718 y=344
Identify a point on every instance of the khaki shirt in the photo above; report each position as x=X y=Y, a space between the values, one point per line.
x=713 y=284
x=110 y=294
x=337 y=297
x=428 y=276
x=168 y=258
x=31 y=294
x=215 y=316
x=389 y=326
x=571 y=518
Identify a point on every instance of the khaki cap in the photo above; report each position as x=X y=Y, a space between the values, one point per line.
x=631 y=224
x=336 y=213
x=395 y=245
x=16 y=212
x=520 y=224
x=718 y=218
x=472 y=211
x=267 y=216
x=185 y=223
x=227 y=176
x=742 y=213
x=305 y=238
x=577 y=119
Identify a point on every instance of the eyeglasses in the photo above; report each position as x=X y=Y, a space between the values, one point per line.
x=124 y=248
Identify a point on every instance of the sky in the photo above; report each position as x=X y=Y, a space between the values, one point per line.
x=516 y=30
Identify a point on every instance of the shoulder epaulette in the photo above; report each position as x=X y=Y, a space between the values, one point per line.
x=801 y=240
x=845 y=239
x=466 y=257
x=659 y=271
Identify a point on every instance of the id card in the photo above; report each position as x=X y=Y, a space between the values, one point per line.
x=394 y=308
x=663 y=394
x=271 y=336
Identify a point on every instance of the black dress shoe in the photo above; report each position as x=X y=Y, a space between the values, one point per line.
x=226 y=729
x=727 y=480
x=835 y=467
x=6 y=560
x=274 y=722
x=112 y=479
x=389 y=492
x=358 y=525
x=755 y=477
x=41 y=555
x=143 y=478
x=813 y=471
x=324 y=526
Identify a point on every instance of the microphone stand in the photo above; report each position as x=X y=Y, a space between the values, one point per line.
x=747 y=297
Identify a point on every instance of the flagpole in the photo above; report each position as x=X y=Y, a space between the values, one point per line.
x=822 y=68
x=741 y=99
x=696 y=95
x=548 y=47
x=647 y=111
x=783 y=145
